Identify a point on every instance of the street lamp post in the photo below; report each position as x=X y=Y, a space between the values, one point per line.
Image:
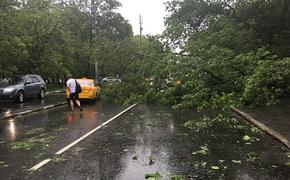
x=93 y=32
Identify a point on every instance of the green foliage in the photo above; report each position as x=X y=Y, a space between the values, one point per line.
x=114 y=92
x=231 y=52
x=230 y=60
x=177 y=177
x=21 y=146
x=269 y=82
x=153 y=176
x=198 y=124
x=52 y=38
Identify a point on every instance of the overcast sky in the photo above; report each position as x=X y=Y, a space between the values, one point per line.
x=152 y=11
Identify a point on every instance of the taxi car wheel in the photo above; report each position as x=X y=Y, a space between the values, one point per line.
x=96 y=99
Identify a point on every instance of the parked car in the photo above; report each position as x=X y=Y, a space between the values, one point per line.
x=21 y=87
x=90 y=90
x=110 y=79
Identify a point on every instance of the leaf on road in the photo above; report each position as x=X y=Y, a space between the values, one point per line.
x=151 y=160
x=215 y=167
x=35 y=131
x=177 y=177
x=246 y=138
x=153 y=176
x=237 y=161
x=203 y=150
x=21 y=145
x=135 y=157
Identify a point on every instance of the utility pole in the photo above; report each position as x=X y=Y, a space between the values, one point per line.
x=93 y=33
x=141 y=28
x=93 y=21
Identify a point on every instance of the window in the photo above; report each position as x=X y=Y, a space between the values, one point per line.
x=35 y=80
x=29 y=79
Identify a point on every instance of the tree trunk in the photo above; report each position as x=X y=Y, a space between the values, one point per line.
x=285 y=13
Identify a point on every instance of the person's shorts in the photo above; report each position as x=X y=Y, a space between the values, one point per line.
x=74 y=96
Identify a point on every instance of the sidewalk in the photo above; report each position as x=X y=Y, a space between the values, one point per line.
x=274 y=119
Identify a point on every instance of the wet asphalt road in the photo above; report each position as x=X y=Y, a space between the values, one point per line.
x=275 y=116
x=146 y=139
x=27 y=140
x=8 y=106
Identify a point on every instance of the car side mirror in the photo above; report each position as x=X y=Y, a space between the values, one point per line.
x=27 y=82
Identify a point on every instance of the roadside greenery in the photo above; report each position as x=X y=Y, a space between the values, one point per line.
x=231 y=53
x=53 y=38
x=231 y=59
x=213 y=53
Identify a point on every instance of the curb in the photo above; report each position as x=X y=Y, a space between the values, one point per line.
x=10 y=115
x=272 y=133
x=57 y=91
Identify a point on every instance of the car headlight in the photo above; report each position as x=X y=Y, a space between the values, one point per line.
x=9 y=89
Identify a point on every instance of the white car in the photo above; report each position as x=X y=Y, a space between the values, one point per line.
x=110 y=79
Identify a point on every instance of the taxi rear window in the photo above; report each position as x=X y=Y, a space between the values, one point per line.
x=86 y=83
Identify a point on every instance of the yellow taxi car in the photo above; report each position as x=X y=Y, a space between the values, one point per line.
x=90 y=91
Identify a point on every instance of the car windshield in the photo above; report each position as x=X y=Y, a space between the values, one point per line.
x=13 y=80
x=86 y=83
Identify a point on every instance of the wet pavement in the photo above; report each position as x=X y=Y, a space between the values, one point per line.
x=276 y=117
x=26 y=140
x=146 y=140
x=9 y=106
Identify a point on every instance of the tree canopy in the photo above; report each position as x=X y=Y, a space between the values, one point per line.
x=236 y=50
x=53 y=38
x=213 y=53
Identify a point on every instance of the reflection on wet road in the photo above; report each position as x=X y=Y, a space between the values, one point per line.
x=153 y=140
x=8 y=107
x=12 y=130
x=34 y=137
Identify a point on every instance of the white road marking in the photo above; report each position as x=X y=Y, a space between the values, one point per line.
x=34 y=168
x=25 y=112
x=47 y=107
x=39 y=165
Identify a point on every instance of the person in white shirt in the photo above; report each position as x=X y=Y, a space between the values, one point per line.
x=71 y=87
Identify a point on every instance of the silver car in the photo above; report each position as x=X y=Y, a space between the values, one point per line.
x=111 y=79
x=22 y=86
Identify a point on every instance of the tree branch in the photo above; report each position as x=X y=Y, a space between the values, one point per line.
x=235 y=14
